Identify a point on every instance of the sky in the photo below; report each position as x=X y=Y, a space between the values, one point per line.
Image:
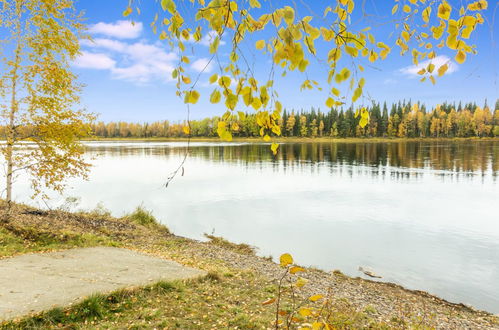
x=126 y=69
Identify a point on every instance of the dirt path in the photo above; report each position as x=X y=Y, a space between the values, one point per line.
x=35 y=282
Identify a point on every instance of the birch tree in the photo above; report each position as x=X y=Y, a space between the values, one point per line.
x=39 y=94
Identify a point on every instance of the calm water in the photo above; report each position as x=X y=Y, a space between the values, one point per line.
x=423 y=215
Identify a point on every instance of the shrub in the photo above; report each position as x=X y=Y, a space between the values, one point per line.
x=142 y=216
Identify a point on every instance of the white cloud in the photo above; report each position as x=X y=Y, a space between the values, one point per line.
x=120 y=29
x=138 y=62
x=94 y=61
x=202 y=65
x=110 y=44
x=438 y=61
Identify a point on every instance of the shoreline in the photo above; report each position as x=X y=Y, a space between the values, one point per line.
x=382 y=302
x=297 y=139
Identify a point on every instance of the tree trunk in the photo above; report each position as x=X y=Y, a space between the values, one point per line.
x=11 y=129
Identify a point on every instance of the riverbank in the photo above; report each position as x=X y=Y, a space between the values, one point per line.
x=230 y=296
x=299 y=139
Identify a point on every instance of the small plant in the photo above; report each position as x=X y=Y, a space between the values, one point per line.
x=142 y=216
x=314 y=312
x=100 y=211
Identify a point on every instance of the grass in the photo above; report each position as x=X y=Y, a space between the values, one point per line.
x=223 y=243
x=209 y=302
x=142 y=217
x=15 y=241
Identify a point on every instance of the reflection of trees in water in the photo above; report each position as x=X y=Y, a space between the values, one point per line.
x=394 y=159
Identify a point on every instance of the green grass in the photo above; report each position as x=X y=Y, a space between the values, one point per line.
x=30 y=239
x=142 y=217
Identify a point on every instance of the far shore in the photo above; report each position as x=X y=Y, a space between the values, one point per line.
x=299 y=139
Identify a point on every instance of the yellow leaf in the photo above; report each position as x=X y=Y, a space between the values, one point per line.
x=300 y=282
x=168 y=5
x=373 y=56
x=460 y=57
x=213 y=78
x=442 y=70
x=127 y=11
x=305 y=311
x=268 y=302
x=285 y=259
x=191 y=97
x=444 y=10
x=316 y=297
x=215 y=96
x=186 y=130
x=214 y=45
x=296 y=269
x=254 y=4
x=395 y=8
x=186 y=80
x=260 y=44
x=406 y=9
x=432 y=80
x=330 y=102
x=426 y=14
x=224 y=81
x=356 y=94
x=274 y=148
x=478 y=5
x=289 y=15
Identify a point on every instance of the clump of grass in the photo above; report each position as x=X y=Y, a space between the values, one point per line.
x=222 y=242
x=142 y=216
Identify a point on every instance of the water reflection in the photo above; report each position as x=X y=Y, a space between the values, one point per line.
x=398 y=160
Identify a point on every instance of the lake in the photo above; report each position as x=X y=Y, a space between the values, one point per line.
x=420 y=214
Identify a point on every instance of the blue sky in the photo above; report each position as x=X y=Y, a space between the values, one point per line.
x=127 y=70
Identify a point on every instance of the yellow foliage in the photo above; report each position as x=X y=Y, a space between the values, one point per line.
x=285 y=260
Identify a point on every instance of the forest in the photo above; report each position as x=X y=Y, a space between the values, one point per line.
x=402 y=119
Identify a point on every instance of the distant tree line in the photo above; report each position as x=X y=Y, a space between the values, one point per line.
x=401 y=119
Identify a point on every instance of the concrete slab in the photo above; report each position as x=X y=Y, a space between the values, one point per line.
x=33 y=283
